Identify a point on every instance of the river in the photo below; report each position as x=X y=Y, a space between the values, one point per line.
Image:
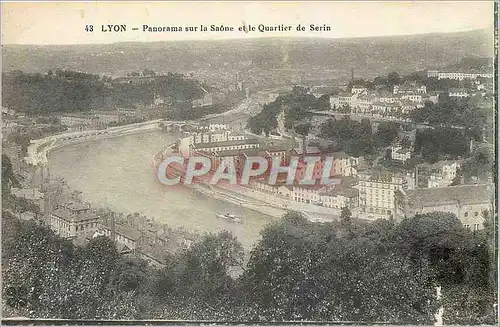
x=117 y=173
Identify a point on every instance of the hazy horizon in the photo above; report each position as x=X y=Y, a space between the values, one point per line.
x=260 y=38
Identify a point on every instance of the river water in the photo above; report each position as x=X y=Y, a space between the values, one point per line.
x=117 y=173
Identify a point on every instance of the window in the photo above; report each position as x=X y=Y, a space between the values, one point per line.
x=476 y=226
x=466 y=215
x=476 y=214
x=467 y=227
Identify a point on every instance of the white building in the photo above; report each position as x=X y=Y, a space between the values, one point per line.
x=342 y=99
x=71 y=220
x=400 y=154
x=458 y=93
x=213 y=127
x=443 y=173
x=342 y=195
x=362 y=103
x=359 y=90
x=412 y=97
x=461 y=76
x=409 y=89
x=432 y=73
x=344 y=164
x=225 y=145
x=377 y=192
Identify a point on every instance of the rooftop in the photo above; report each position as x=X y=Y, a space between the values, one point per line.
x=224 y=143
x=154 y=252
x=67 y=215
x=125 y=231
x=309 y=150
x=464 y=194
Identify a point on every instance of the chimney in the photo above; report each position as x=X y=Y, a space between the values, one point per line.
x=112 y=227
x=416 y=176
x=304 y=146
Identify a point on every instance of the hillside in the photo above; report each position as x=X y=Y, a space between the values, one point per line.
x=367 y=56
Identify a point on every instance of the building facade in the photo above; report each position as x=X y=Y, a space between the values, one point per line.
x=72 y=219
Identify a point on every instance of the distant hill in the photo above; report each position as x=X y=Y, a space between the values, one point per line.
x=478 y=64
x=367 y=56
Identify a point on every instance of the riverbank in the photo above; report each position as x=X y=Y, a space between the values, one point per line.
x=39 y=149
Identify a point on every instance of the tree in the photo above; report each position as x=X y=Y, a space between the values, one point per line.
x=393 y=79
x=8 y=177
x=346 y=217
x=303 y=129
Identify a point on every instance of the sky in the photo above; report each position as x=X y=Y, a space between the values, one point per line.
x=65 y=22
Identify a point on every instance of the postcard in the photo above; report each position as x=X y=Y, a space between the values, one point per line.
x=249 y=163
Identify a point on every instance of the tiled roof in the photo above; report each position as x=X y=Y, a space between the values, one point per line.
x=154 y=252
x=309 y=150
x=464 y=194
x=66 y=215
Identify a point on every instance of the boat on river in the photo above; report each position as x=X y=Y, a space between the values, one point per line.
x=230 y=217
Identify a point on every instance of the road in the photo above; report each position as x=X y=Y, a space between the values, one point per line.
x=237 y=118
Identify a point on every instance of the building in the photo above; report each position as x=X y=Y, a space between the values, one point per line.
x=461 y=76
x=75 y=119
x=309 y=193
x=342 y=195
x=125 y=237
x=443 y=173
x=458 y=93
x=359 y=90
x=72 y=219
x=385 y=109
x=409 y=89
x=107 y=117
x=362 y=104
x=418 y=98
x=213 y=127
x=344 y=164
x=377 y=191
x=215 y=136
x=400 y=154
x=155 y=255
x=432 y=73
x=342 y=99
x=224 y=145
x=387 y=97
x=467 y=202
x=206 y=100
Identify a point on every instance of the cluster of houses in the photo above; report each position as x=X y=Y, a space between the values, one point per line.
x=406 y=97
x=398 y=104
x=133 y=235
x=100 y=119
x=369 y=192
x=457 y=75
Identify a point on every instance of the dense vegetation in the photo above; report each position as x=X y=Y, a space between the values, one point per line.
x=67 y=91
x=295 y=105
x=442 y=143
x=380 y=271
x=449 y=111
x=357 y=138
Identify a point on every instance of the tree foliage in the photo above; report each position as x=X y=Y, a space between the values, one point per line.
x=299 y=270
x=68 y=91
